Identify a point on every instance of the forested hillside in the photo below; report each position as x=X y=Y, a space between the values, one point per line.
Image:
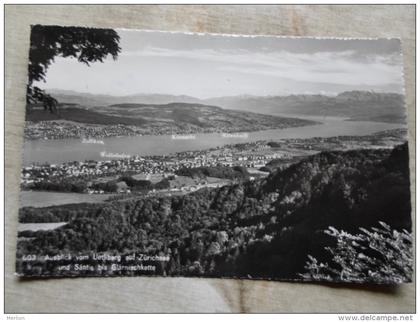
x=236 y=172
x=264 y=228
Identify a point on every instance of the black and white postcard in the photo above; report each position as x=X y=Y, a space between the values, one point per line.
x=183 y=154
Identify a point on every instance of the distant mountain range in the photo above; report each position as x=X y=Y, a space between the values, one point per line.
x=87 y=99
x=355 y=105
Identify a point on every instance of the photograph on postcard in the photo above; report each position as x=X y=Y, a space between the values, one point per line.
x=152 y=153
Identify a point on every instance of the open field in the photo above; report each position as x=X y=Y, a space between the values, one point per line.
x=40 y=226
x=46 y=199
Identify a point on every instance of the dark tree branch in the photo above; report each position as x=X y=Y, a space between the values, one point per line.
x=87 y=45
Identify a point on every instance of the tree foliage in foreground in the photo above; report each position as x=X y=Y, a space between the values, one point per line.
x=87 y=45
x=381 y=255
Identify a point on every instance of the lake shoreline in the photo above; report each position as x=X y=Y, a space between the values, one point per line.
x=67 y=150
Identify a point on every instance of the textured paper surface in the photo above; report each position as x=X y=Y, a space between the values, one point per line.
x=278 y=285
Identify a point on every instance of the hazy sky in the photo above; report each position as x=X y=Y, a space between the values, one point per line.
x=210 y=66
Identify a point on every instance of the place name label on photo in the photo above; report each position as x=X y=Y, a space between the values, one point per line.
x=114 y=155
x=183 y=137
x=92 y=141
x=235 y=135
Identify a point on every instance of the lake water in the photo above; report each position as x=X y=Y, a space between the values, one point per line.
x=58 y=151
x=49 y=198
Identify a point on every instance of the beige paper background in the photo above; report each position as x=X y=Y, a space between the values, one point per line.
x=124 y=295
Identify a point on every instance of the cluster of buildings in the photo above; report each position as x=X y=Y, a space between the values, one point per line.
x=154 y=165
x=55 y=130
